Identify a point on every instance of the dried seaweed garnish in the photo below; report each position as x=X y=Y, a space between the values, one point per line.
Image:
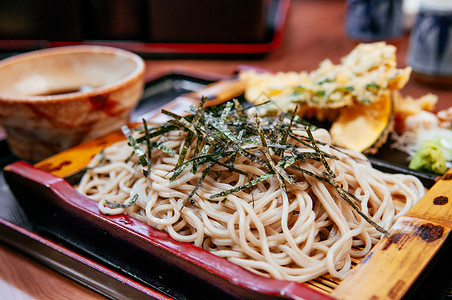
x=101 y=158
x=149 y=147
x=199 y=148
x=199 y=112
x=230 y=168
x=157 y=131
x=358 y=210
x=188 y=140
x=136 y=148
x=268 y=154
x=218 y=135
x=249 y=184
x=198 y=160
x=198 y=184
x=122 y=205
x=321 y=155
x=286 y=132
x=129 y=158
x=183 y=153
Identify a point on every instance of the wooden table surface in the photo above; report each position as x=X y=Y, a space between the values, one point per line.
x=314 y=31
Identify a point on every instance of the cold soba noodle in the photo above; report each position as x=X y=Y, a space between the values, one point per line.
x=294 y=225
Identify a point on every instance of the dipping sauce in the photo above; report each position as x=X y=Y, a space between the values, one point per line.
x=81 y=89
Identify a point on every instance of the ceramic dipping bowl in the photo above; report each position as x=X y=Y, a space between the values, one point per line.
x=53 y=99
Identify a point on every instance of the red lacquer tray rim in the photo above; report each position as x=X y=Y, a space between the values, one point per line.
x=136 y=231
x=68 y=254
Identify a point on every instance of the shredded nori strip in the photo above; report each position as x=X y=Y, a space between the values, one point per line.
x=249 y=184
x=136 y=148
x=122 y=205
x=219 y=134
x=149 y=147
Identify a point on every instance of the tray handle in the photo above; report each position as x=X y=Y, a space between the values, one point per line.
x=395 y=263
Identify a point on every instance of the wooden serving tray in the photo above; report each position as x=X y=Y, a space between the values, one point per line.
x=390 y=271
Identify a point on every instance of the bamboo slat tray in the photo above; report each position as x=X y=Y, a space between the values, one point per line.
x=388 y=272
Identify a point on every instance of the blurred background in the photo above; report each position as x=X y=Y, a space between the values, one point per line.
x=285 y=35
x=138 y=25
x=214 y=39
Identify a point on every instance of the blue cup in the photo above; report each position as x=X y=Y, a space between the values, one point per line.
x=430 y=48
x=374 y=20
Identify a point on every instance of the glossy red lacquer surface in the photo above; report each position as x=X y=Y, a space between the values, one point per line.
x=62 y=196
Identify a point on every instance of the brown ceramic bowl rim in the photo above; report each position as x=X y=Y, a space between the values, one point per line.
x=64 y=50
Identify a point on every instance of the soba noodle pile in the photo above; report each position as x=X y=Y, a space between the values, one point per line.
x=293 y=231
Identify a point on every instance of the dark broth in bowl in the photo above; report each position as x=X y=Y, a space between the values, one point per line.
x=69 y=90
